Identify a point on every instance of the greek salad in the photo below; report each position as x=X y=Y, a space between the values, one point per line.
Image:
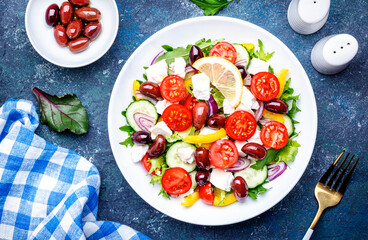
x=212 y=121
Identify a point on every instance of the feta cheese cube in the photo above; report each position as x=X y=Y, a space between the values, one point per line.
x=249 y=100
x=137 y=152
x=157 y=72
x=178 y=67
x=201 y=86
x=242 y=107
x=221 y=179
x=187 y=193
x=207 y=130
x=256 y=138
x=228 y=109
x=162 y=105
x=239 y=145
x=160 y=129
x=257 y=65
x=186 y=154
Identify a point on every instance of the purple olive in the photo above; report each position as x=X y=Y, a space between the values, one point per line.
x=242 y=71
x=277 y=106
x=195 y=54
x=158 y=147
x=52 y=15
x=141 y=137
x=240 y=188
x=202 y=177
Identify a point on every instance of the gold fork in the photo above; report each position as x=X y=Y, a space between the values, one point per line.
x=331 y=188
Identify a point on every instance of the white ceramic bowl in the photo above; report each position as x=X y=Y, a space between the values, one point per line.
x=42 y=38
x=188 y=32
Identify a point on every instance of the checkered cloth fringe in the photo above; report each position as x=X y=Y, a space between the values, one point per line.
x=47 y=192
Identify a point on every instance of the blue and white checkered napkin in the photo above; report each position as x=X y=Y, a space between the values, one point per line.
x=47 y=192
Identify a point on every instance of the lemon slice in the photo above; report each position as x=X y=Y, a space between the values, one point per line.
x=224 y=75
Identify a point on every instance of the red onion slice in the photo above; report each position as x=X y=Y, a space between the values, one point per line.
x=241 y=63
x=212 y=104
x=247 y=80
x=140 y=95
x=189 y=69
x=155 y=58
x=275 y=170
x=260 y=110
x=144 y=121
x=264 y=121
x=240 y=165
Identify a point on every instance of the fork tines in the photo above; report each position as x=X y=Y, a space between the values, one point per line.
x=342 y=179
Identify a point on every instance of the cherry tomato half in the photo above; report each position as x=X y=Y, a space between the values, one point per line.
x=241 y=125
x=223 y=153
x=206 y=193
x=177 y=117
x=224 y=50
x=265 y=86
x=147 y=164
x=173 y=89
x=274 y=135
x=190 y=102
x=176 y=181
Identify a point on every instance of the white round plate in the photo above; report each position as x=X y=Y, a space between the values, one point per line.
x=188 y=32
x=42 y=38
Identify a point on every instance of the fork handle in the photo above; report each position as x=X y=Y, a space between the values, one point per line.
x=308 y=234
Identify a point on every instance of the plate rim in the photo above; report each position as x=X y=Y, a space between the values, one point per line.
x=92 y=60
x=263 y=31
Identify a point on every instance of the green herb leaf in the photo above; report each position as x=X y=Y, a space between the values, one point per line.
x=170 y=56
x=164 y=193
x=270 y=69
x=254 y=192
x=271 y=155
x=167 y=48
x=127 y=142
x=178 y=136
x=217 y=95
x=62 y=112
x=211 y=7
x=287 y=95
x=287 y=154
x=261 y=54
x=128 y=129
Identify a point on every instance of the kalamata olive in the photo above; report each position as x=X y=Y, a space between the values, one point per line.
x=201 y=158
x=52 y=15
x=254 y=150
x=216 y=121
x=202 y=177
x=79 y=3
x=91 y=30
x=74 y=29
x=277 y=106
x=78 y=45
x=200 y=114
x=66 y=13
x=195 y=54
x=60 y=35
x=240 y=188
x=88 y=14
x=150 y=89
x=142 y=137
x=242 y=71
x=158 y=147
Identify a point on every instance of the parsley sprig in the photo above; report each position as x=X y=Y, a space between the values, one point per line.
x=211 y=7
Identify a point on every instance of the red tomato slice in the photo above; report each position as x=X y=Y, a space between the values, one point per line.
x=224 y=50
x=274 y=135
x=206 y=193
x=176 y=181
x=190 y=102
x=223 y=153
x=265 y=86
x=173 y=89
x=177 y=117
x=147 y=164
x=241 y=125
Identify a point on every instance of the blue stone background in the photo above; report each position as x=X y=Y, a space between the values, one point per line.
x=342 y=115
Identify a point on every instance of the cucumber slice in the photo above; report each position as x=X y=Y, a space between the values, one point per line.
x=192 y=176
x=242 y=54
x=173 y=160
x=288 y=124
x=252 y=176
x=141 y=106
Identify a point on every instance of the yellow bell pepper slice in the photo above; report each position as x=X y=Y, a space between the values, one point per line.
x=248 y=46
x=282 y=79
x=208 y=138
x=188 y=83
x=205 y=145
x=190 y=199
x=273 y=116
x=229 y=198
x=136 y=86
